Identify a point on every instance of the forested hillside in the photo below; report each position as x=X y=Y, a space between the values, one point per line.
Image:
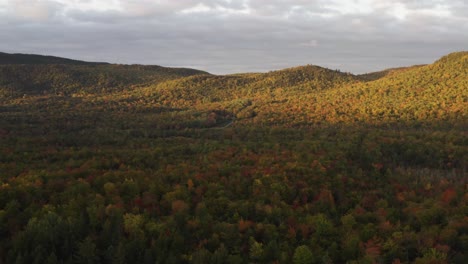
x=6 y=58
x=33 y=74
x=103 y=163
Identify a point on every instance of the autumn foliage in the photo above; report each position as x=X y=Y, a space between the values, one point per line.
x=141 y=164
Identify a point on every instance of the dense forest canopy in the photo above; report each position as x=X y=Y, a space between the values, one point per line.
x=103 y=163
x=34 y=74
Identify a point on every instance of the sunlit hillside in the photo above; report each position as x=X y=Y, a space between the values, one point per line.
x=103 y=163
x=36 y=75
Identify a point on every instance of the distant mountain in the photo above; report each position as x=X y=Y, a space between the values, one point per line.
x=35 y=74
x=18 y=58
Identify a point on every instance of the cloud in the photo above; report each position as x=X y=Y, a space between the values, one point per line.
x=217 y=10
x=225 y=36
x=311 y=43
x=33 y=10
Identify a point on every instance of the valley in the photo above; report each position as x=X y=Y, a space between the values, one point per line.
x=105 y=163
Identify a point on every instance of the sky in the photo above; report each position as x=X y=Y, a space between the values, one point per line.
x=231 y=36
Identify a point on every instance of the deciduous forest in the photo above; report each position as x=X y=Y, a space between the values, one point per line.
x=105 y=163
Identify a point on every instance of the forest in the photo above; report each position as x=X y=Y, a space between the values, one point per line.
x=106 y=163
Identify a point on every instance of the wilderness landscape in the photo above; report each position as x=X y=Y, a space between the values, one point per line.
x=108 y=163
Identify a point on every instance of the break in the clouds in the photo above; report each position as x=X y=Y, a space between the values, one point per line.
x=227 y=36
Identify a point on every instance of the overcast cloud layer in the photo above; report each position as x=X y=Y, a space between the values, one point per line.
x=228 y=36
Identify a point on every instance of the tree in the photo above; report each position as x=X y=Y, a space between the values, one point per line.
x=303 y=255
x=256 y=249
x=86 y=252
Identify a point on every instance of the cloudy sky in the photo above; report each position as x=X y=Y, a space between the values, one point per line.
x=228 y=36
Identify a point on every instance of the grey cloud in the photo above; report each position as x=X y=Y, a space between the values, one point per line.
x=459 y=8
x=36 y=11
x=274 y=34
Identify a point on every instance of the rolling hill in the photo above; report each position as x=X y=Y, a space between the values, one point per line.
x=18 y=58
x=34 y=74
x=103 y=163
x=429 y=93
x=310 y=95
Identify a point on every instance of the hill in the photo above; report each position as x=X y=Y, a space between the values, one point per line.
x=34 y=74
x=18 y=58
x=311 y=95
x=372 y=76
x=428 y=93
x=146 y=164
x=223 y=89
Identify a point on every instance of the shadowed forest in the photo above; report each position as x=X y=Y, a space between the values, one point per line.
x=106 y=163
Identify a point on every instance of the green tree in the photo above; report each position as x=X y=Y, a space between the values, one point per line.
x=303 y=255
x=86 y=252
x=256 y=249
